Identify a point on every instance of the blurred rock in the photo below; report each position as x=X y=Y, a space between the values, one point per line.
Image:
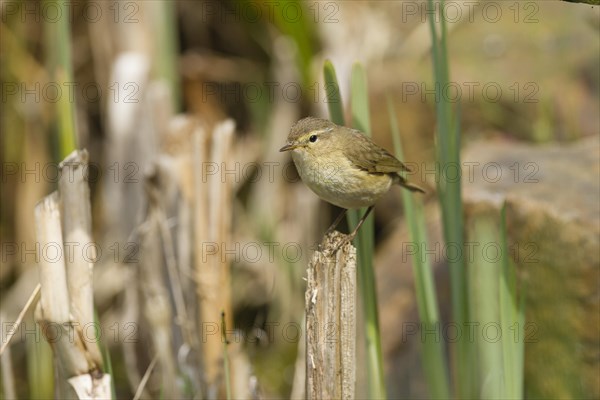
x=544 y=81
x=553 y=224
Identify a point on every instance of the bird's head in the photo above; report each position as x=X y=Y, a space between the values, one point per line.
x=314 y=135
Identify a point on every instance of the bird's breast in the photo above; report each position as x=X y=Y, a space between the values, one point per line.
x=336 y=180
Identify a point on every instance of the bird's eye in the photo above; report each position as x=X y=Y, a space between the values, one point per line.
x=312 y=138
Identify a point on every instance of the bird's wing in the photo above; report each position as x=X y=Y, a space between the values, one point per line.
x=366 y=155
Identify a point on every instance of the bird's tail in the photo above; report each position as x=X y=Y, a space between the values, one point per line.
x=400 y=180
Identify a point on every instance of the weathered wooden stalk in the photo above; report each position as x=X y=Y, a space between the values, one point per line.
x=212 y=236
x=65 y=311
x=76 y=217
x=331 y=321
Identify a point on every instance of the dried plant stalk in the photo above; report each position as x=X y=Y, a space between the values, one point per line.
x=331 y=321
x=54 y=314
x=131 y=146
x=212 y=230
x=55 y=311
x=66 y=308
x=6 y=369
x=157 y=304
x=77 y=228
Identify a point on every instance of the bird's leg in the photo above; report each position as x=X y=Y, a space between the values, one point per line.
x=351 y=236
x=336 y=222
x=362 y=220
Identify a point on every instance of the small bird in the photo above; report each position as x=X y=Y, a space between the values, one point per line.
x=343 y=166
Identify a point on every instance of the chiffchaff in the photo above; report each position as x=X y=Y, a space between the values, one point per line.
x=343 y=166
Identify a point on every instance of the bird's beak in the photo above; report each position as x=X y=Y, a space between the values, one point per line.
x=288 y=147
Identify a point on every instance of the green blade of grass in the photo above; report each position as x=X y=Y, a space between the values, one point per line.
x=58 y=60
x=164 y=14
x=511 y=320
x=364 y=240
x=449 y=190
x=497 y=310
x=365 y=244
x=434 y=360
x=40 y=366
x=519 y=364
x=107 y=366
x=359 y=103
x=508 y=309
x=485 y=274
x=334 y=99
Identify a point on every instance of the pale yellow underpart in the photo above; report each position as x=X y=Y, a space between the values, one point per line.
x=339 y=182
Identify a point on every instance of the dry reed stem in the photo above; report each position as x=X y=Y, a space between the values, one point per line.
x=53 y=312
x=77 y=230
x=66 y=308
x=52 y=272
x=213 y=203
x=131 y=312
x=55 y=309
x=89 y=387
x=331 y=321
x=140 y=390
x=9 y=390
x=130 y=147
x=11 y=333
x=157 y=304
x=239 y=362
x=182 y=317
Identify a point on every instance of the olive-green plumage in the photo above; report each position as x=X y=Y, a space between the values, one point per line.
x=341 y=165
